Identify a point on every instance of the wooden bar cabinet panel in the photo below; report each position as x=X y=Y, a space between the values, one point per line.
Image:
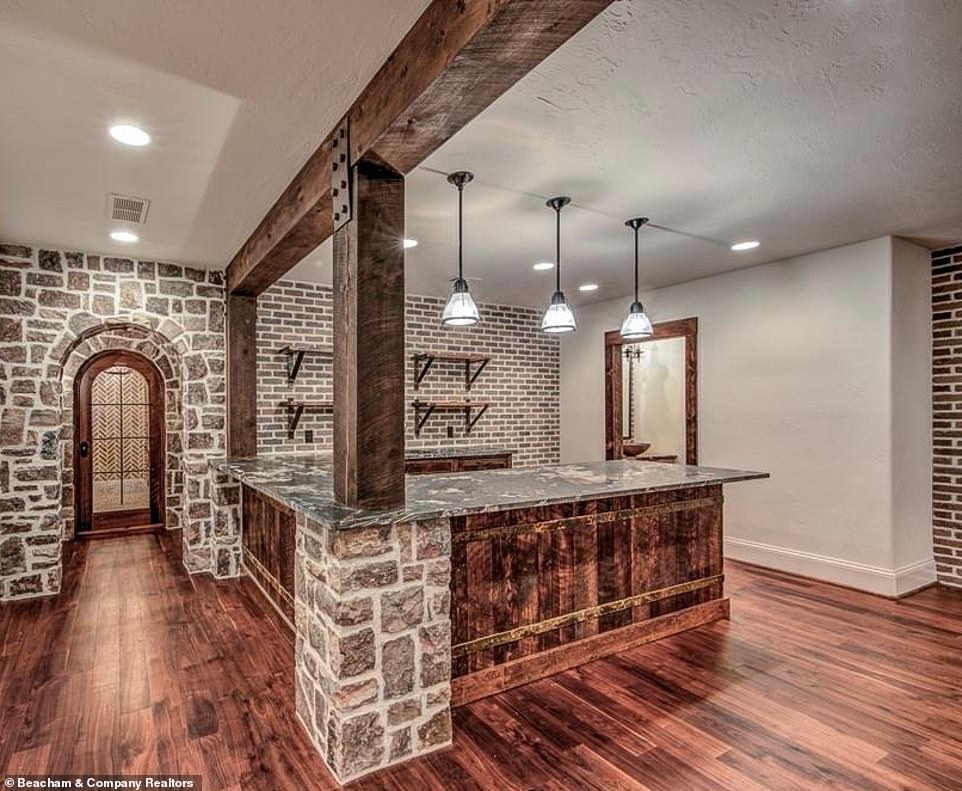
x=269 y=540
x=425 y=466
x=539 y=590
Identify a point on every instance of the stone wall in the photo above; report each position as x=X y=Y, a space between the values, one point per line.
x=373 y=642
x=947 y=413
x=57 y=310
x=522 y=381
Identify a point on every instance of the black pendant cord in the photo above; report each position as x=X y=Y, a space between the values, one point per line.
x=557 y=247
x=557 y=204
x=461 y=232
x=459 y=179
x=635 y=224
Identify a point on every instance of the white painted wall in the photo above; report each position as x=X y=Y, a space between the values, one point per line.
x=911 y=402
x=815 y=369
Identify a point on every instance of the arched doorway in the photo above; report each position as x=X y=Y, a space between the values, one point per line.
x=119 y=443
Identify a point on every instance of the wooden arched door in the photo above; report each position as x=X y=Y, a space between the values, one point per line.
x=119 y=443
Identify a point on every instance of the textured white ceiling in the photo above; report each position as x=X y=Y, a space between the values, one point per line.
x=236 y=94
x=801 y=123
x=804 y=123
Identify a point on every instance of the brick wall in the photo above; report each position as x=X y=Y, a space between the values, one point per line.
x=947 y=413
x=293 y=313
x=521 y=382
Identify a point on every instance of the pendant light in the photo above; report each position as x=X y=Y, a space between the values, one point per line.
x=460 y=310
x=558 y=317
x=637 y=325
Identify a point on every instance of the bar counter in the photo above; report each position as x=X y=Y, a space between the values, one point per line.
x=481 y=582
x=305 y=484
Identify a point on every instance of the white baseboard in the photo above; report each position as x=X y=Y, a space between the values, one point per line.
x=874 y=579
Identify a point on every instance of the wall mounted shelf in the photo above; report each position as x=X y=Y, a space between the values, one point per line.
x=295 y=409
x=473 y=364
x=295 y=356
x=473 y=410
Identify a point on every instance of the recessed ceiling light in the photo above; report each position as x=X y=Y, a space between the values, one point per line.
x=739 y=247
x=544 y=266
x=129 y=135
x=588 y=287
x=409 y=243
x=127 y=237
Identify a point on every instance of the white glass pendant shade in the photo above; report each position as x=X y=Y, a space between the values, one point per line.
x=558 y=317
x=460 y=310
x=637 y=325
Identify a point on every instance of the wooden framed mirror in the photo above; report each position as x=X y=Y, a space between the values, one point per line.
x=651 y=392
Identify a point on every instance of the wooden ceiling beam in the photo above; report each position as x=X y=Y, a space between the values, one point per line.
x=454 y=62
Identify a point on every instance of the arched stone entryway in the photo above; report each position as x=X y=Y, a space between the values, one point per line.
x=59 y=308
x=159 y=350
x=200 y=502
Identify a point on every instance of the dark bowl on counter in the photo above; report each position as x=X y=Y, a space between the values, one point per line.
x=632 y=449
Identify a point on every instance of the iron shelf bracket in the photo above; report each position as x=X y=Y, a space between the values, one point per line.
x=422 y=364
x=295 y=356
x=473 y=410
x=295 y=409
x=469 y=377
x=294 y=360
x=419 y=418
x=473 y=365
x=469 y=421
x=294 y=412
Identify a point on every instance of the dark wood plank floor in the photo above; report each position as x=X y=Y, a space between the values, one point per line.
x=139 y=668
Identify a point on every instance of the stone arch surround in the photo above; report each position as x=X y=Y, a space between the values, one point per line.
x=120 y=335
x=59 y=308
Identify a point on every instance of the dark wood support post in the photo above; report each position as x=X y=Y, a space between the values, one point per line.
x=241 y=375
x=369 y=343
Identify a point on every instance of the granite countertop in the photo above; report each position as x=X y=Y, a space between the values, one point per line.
x=417 y=454
x=305 y=483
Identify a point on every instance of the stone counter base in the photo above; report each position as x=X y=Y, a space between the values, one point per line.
x=373 y=642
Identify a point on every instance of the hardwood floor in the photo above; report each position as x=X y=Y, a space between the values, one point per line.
x=138 y=668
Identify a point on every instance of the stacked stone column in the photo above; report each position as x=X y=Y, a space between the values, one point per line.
x=373 y=642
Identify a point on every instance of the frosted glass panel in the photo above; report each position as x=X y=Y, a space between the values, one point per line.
x=135 y=421
x=106 y=457
x=121 y=494
x=106 y=389
x=133 y=387
x=135 y=454
x=120 y=440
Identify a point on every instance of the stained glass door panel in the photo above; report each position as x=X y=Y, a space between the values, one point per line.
x=120 y=440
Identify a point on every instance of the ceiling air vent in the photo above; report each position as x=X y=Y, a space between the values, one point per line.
x=128 y=209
